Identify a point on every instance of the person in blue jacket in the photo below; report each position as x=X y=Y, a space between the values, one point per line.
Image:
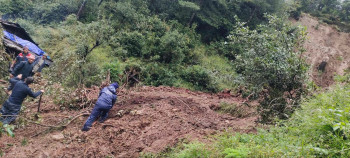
x=105 y=101
x=12 y=106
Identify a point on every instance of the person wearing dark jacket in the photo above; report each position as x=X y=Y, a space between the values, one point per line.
x=24 y=67
x=12 y=106
x=21 y=57
x=105 y=101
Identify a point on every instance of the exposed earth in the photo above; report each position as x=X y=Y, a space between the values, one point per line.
x=325 y=43
x=145 y=119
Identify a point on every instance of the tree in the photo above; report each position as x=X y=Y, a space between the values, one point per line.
x=345 y=11
x=271 y=65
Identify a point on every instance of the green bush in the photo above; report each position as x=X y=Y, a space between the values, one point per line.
x=221 y=70
x=114 y=69
x=156 y=74
x=195 y=149
x=199 y=78
x=270 y=64
x=173 y=47
x=133 y=43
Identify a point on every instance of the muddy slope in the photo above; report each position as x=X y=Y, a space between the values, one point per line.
x=146 y=119
x=325 y=43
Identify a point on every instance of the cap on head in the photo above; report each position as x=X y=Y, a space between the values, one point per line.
x=31 y=57
x=29 y=80
x=115 y=85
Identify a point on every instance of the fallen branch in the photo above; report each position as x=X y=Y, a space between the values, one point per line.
x=107 y=125
x=60 y=126
x=183 y=103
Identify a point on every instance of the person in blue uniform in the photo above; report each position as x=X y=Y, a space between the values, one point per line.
x=105 y=101
x=12 y=106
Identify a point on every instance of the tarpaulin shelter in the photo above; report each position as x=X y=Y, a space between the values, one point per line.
x=15 y=38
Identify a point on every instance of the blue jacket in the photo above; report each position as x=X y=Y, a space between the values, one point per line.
x=107 y=97
x=20 y=91
x=24 y=68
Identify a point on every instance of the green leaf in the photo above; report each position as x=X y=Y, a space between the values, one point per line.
x=9 y=130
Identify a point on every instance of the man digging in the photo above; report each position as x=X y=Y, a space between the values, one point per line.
x=105 y=102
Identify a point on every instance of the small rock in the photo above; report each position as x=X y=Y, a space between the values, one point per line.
x=227 y=121
x=120 y=113
x=176 y=110
x=139 y=112
x=58 y=137
x=133 y=112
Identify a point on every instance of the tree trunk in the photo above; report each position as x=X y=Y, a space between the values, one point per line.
x=100 y=2
x=81 y=9
x=191 y=20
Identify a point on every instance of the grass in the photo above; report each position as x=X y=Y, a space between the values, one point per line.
x=233 y=109
x=221 y=70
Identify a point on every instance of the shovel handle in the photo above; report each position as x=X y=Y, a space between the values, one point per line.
x=39 y=102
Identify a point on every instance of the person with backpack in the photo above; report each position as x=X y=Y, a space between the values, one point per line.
x=107 y=98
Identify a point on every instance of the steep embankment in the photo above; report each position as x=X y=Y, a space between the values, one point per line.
x=146 y=119
x=325 y=43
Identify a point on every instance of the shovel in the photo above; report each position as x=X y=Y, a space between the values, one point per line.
x=40 y=102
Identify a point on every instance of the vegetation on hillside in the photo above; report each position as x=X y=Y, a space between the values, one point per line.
x=210 y=45
x=199 y=45
x=335 y=12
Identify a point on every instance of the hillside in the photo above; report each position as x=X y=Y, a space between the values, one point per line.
x=325 y=42
x=189 y=70
x=146 y=119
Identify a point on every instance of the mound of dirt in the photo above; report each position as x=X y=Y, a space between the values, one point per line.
x=146 y=119
x=325 y=47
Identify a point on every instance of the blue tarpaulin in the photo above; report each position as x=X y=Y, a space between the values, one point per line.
x=32 y=47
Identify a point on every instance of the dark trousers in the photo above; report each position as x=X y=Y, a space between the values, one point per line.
x=98 y=111
x=9 y=109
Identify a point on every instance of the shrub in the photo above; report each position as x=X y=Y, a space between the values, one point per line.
x=173 y=47
x=195 y=149
x=199 y=78
x=156 y=74
x=270 y=64
x=114 y=70
x=132 y=42
x=221 y=70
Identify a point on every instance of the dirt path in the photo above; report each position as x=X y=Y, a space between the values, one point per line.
x=153 y=119
x=324 y=42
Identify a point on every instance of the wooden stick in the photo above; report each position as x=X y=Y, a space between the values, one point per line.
x=40 y=102
x=60 y=125
x=183 y=103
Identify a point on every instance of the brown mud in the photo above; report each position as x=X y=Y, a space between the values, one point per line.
x=145 y=119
